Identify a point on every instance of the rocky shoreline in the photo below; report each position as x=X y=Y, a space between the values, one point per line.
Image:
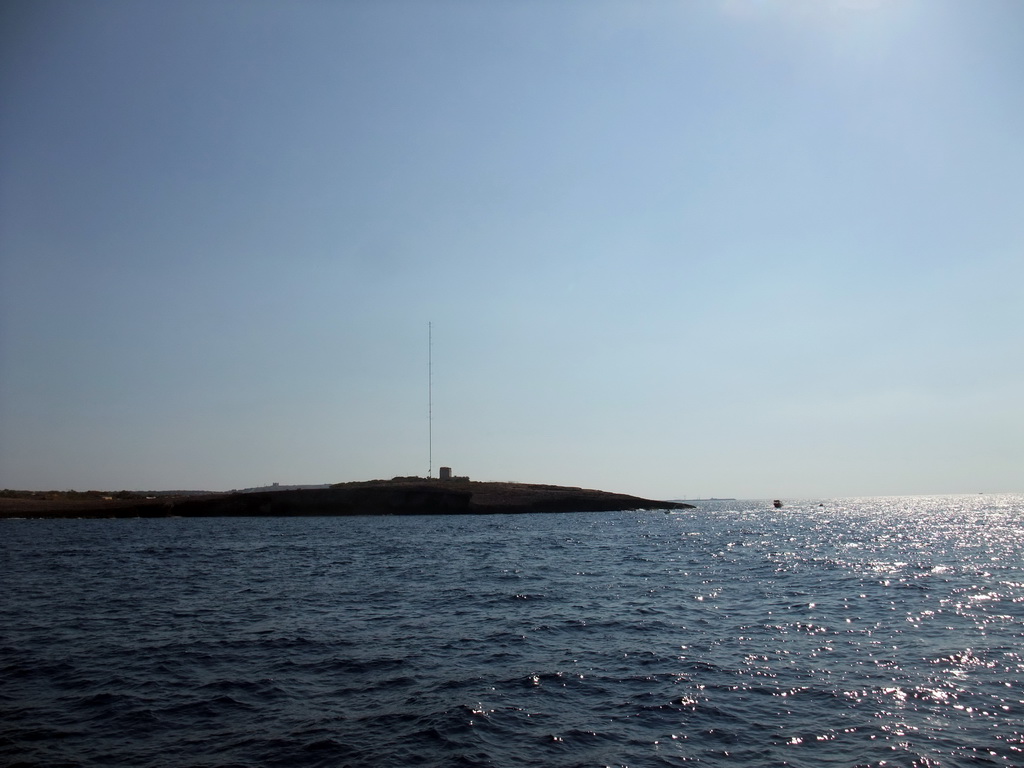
x=401 y=496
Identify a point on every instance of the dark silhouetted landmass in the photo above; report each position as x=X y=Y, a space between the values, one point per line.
x=400 y=496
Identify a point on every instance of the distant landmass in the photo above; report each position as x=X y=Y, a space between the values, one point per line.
x=713 y=498
x=399 y=496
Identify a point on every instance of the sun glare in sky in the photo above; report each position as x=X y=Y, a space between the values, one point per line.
x=746 y=248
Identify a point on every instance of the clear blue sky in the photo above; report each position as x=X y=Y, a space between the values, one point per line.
x=736 y=248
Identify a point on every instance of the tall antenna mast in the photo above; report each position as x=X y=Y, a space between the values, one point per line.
x=430 y=400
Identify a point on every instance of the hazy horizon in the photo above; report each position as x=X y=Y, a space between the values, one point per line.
x=743 y=248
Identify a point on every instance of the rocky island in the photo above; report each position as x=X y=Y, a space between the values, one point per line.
x=399 y=496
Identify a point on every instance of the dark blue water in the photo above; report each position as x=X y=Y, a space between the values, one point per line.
x=865 y=632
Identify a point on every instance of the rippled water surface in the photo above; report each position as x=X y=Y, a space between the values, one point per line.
x=862 y=632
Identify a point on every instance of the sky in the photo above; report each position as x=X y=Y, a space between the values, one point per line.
x=733 y=248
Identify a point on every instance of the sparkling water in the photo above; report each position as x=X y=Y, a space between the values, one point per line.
x=852 y=632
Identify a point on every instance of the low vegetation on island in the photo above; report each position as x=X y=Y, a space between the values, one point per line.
x=398 y=496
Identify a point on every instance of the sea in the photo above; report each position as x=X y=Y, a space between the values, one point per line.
x=830 y=632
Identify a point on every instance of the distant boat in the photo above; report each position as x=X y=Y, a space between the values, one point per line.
x=777 y=504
